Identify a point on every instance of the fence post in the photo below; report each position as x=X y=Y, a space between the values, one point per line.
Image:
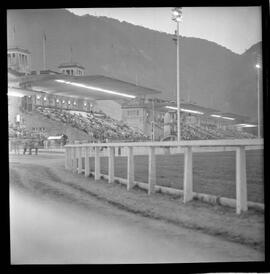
x=69 y=164
x=130 y=169
x=74 y=160
x=188 y=183
x=97 y=163
x=86 y=162
x=79 y=160
x=151 y=170
x=66 y=158
x=241 y=181
x=111 y=164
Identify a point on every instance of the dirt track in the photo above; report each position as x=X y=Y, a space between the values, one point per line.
x=153 y=229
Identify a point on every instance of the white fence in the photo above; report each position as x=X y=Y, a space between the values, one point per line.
x=75 y=152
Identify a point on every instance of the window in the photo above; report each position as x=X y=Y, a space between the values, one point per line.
x=133 y=112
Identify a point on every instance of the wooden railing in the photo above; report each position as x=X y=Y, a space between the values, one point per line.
x=75 y=152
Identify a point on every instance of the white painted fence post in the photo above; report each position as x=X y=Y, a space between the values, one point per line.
x=188 y=183
x=130 y=169
x=151 y=170
x=69 y=154
x=241 y=181
x=74 y=160
x=86 y=162
x=66 y=158
x=111 y=157
x=97 y=163
x=79 y=160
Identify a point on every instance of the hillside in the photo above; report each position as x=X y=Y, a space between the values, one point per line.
x=210 y=74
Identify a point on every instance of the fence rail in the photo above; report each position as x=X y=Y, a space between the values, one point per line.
x=75 y=152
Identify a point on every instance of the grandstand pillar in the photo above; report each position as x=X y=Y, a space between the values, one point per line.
x=241 y=181
x=130 y=169
x=151 y=170
x=188 y=180
x=74 y=160
x=97 y=163
x=86 y=162
x=79 y=160
x=111 y=164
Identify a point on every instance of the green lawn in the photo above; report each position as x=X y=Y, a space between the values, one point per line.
x=213 y=172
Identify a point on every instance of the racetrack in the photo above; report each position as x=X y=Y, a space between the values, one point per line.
x=59 y=217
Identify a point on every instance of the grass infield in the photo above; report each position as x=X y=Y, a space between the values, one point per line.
x=213 y=172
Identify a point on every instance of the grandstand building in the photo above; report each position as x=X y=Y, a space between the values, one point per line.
x=68 y=89
x=138 y=107
x=158 y=118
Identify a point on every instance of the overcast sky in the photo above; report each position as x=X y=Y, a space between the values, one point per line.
x=236 y=28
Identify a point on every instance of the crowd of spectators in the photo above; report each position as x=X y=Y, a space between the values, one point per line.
x=98 y=127
x=102 y=128
x=17 y=131
x=193 y=131
x=199 y=132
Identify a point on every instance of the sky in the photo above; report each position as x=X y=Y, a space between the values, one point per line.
x=236 y=28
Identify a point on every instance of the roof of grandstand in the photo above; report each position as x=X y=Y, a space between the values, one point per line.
x=18 y=92
x=96 y=87
x=80 y=87
x=184 y=106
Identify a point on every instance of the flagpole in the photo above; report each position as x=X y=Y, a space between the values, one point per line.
x=44 y=51
x=71 y=55
x=14 y=35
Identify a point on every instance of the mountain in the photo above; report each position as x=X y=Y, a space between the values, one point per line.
x=210 y=74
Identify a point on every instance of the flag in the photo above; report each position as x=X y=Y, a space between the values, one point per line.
x=44 y=36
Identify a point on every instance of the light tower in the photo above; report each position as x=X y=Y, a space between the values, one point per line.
x=258 y=68
x=177 y=17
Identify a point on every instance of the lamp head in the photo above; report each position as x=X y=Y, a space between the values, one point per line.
x=176 y=14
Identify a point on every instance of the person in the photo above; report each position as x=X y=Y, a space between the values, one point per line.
x=64 y=139
x=25 y=146
x=36 y=146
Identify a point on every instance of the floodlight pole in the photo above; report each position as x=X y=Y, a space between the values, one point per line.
x=153 y=120
x=178 y=86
